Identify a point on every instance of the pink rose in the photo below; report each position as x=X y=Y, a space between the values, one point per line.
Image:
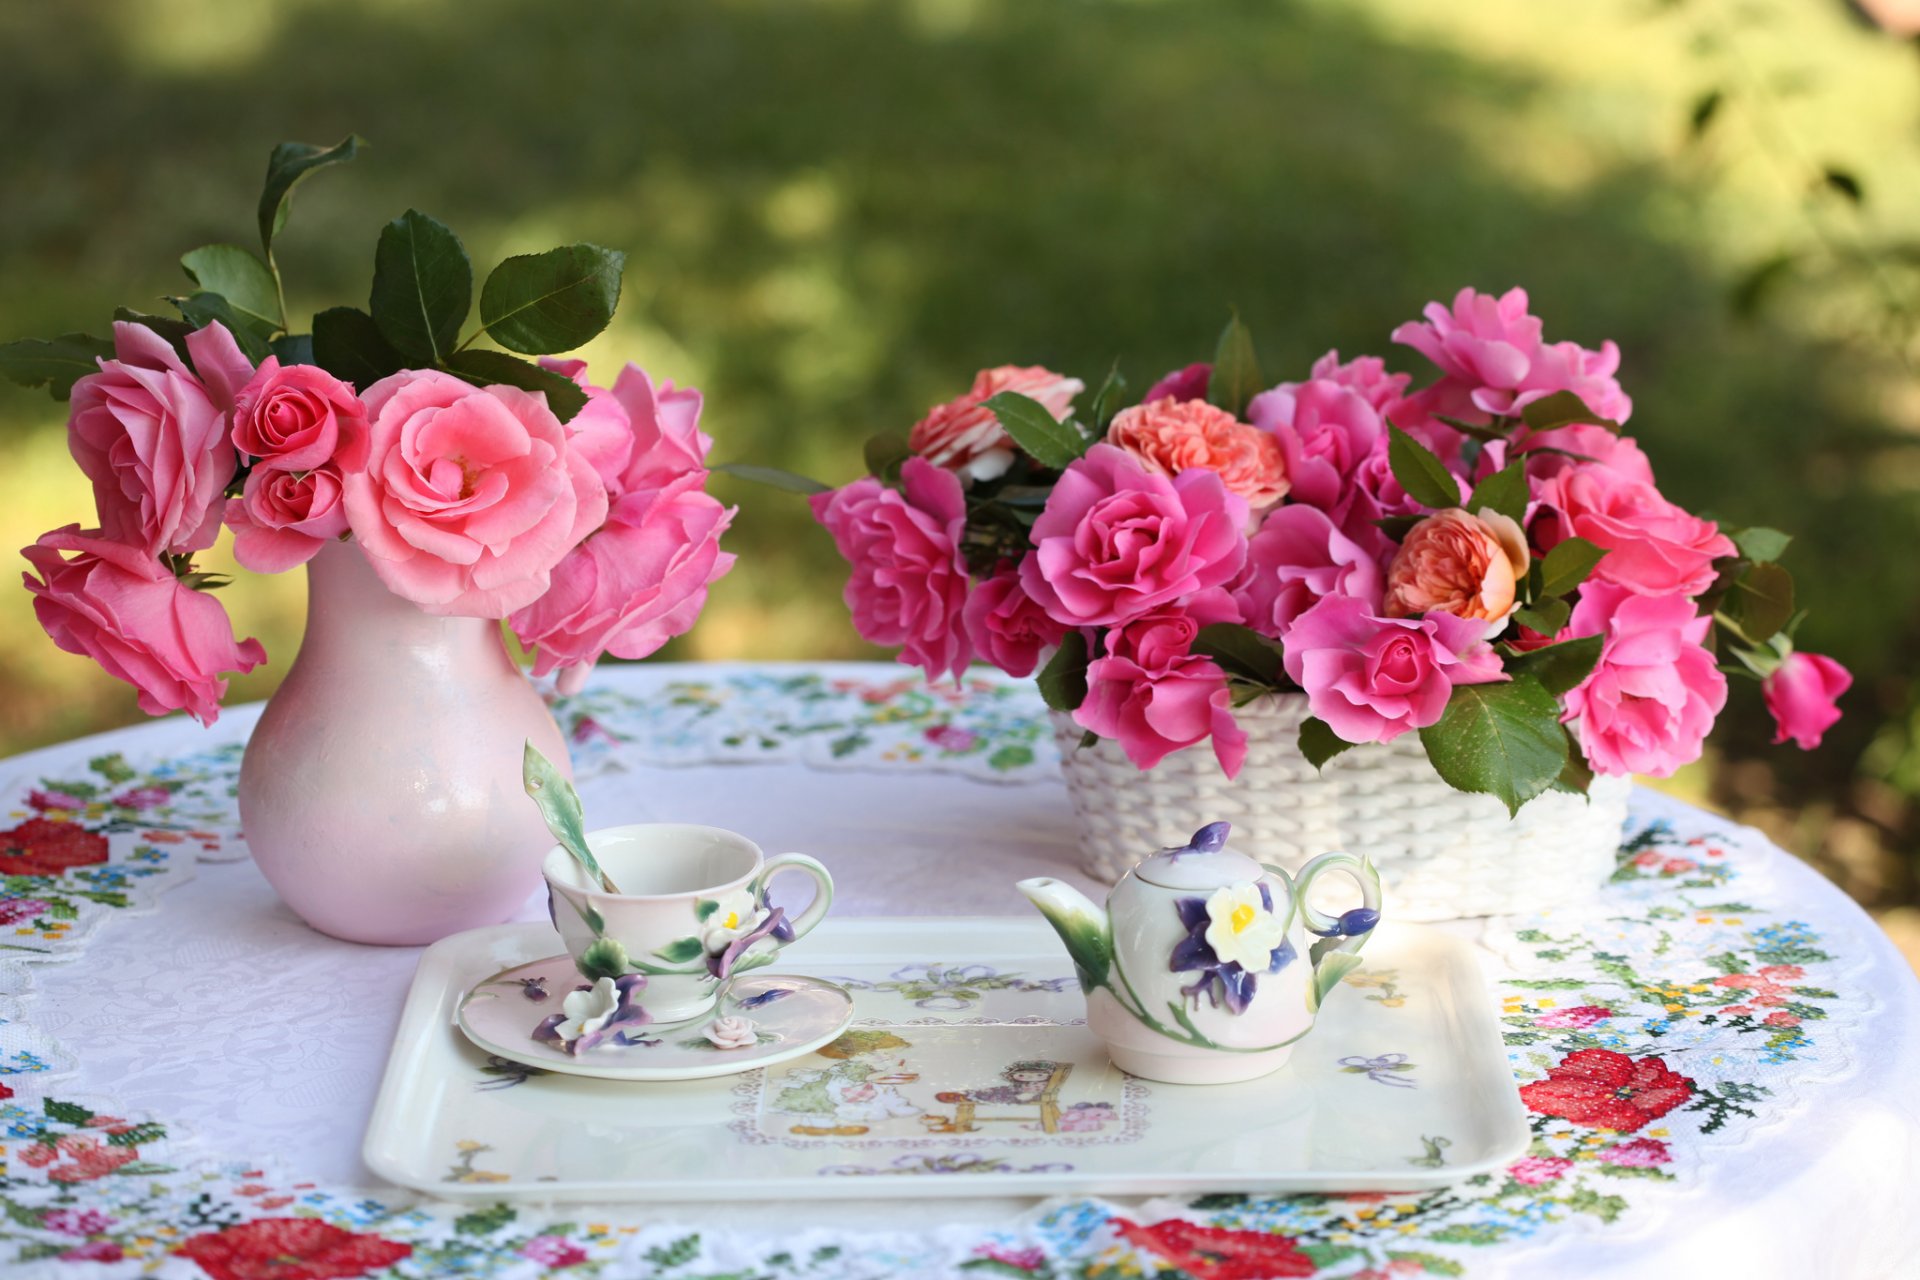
x=636 y=434
x=1296 y=559
x=1459 y=563
x=1153 y=695
x=1189 y=383
x=1490 y=349
x=143 y=798
x=1648 y=705
x=1372 y=493
x=1169 y=436
x=120 y=607
x=909 y=583
x=1616 y=453
x=1117 y=540
x=283 y=518
x=1532 y=1171
x=152 y=436
x=471 y=494
x=634 y=584
x=553 y=1251
x=1372 y=679
x=300 y=417
x=1365 y=374
x=1655 y=548
x=963 y=435
x=1325 y=429
x=1006 y=627
x=1800 y=695
x=1640 y=1153
x=1579 y=1017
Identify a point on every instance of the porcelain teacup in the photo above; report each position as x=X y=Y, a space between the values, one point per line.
x=692 y=910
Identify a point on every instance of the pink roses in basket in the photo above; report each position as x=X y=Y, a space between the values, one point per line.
x=1485 y=559
x=475 y=483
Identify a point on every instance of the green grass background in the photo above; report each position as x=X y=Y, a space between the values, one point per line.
x=836 y=210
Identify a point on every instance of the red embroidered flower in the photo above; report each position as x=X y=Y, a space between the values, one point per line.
x=1214 y=1253
x=1607 y=1090
x=41 y=847
x=5 y=1092
x=290 y=1249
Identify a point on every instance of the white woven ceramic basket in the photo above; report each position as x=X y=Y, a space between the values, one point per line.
x=1443 y=854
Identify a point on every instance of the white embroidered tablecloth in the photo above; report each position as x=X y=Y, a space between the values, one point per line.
x=188 y=1070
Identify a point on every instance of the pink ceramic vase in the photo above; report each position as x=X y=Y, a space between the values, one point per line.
x=381 y=791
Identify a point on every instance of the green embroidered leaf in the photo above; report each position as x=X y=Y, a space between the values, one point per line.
x=1420 y=471
x=422 y=287
x=1567 y=566
x=483 y=1222
x=1010 y=757
x=1505 y=491
x=1063 y=681
x=542 y=303
x=65 y=1112
x=289 y=163
x=55 y=364
x=1235 y=378
x=239 y=277
x=1431 y=1263
x=680 y=950
x=1503 y=740
x=1047 y=440
x=138 y=1136
x=1319 y=743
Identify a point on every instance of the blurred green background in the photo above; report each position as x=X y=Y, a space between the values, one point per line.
x=835 y=211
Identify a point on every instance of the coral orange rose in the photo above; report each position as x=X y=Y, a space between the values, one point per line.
x=1459 y=563
x=963 y=435
x=1169 y=436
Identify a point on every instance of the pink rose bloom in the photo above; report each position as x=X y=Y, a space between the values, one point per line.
x=963 y=435
x=120 y=607
x=45 y=800
x=1491 y=350
x=1579 y=1017
x=152 y=436
x=1117 y=540
x=1372 y=493
x=909 y=582
x=300 y=417
x=1367 y=375
x=283 y=518
x=1296 y=559
x=1655 y=548
x=553 y=1251
x=1189 y=383
x=1648 y=705
x=1325 y=429
x=1371 y=678
x=1616 y=453
x=1459 y=563
x=636 y=434
x=471 y=494
x=18 y=910
x=1533 y=1171
x=1153 y=695
x=1640 y=1153
x=1169 y=436
x=1006 y=627
x=1800 y=695
x=143 y=798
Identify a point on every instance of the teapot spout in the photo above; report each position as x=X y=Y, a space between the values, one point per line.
x=1083 y=926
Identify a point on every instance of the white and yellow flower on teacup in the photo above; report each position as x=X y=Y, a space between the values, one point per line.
x=1242 y=928
x=737 y=913
x=588 y=1011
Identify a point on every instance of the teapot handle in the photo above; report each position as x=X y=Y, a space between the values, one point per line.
x=1351 y=928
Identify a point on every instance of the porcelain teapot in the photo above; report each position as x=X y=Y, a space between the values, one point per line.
x=1199 y=970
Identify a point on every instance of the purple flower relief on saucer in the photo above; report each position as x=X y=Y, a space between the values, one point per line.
x=766 y=997
x=594 y=1015
x=721 y=964
x=1227 y=983
x=533 y=988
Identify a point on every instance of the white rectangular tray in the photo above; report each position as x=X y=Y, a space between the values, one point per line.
x=1403 y=1086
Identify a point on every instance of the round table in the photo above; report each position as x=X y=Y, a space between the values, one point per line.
x=189 y=1092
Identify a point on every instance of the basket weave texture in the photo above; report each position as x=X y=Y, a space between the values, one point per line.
x=1442 y=854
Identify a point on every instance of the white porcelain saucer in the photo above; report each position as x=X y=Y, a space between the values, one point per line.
x=793 y=1016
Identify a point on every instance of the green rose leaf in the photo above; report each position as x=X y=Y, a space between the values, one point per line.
x=540 y=303
x=1505 y=491
x=1547 y=617
x=1563 y=409
x=1240 y=651
x=681 y=950
x=485 y=368
x=1578 y=775
x=294 y=348
x=774 y=477
x=1063 y=681
x=1046 y=439
x=254 y=335
x=422 y=287
x=1235 y=379
x=603 y=958
x=1319 y=743
x=886 y=454
x=1503 y=740
x=348 y=345
x=1567 y=566
x=1559 y=667
x=1106 y=401
x=1759 y=602
x=55 y=364
x=1420 y=472
x=239 y=277
x=289 y=163
x=1760 y=544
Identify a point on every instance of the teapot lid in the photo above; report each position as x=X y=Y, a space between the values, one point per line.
x=1202 y=863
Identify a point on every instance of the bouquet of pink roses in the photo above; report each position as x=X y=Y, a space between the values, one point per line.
x=476 y=483
x=1484 y=560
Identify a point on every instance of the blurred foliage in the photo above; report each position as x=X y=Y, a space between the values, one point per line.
x=835 y=211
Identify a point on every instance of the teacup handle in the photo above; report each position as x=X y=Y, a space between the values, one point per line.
x=816 y=910
x=1353 y=928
